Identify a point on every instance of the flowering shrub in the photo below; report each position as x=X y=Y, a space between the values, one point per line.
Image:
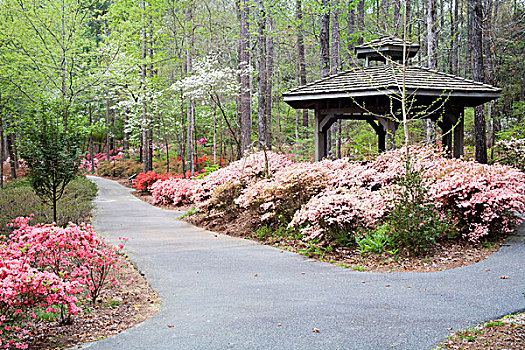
x=202 y=142
x=144 y=181
x=329 y=198
x=290 y=188
x=339 y=212
x=49 y=267
x=23 y=287
x=172 y=191
x=511 y=152
x=484 y=199
x=86 y=164
x=247 y=170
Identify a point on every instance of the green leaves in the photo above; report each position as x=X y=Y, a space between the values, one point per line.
x=52 y=156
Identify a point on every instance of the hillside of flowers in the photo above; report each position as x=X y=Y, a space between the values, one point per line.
x=333 y=199
x=49 y=271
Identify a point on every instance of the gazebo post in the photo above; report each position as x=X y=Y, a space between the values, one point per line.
x=459 y=135
x=381 y=135
x=320 y=137
x=446 y=138
x=390 y=128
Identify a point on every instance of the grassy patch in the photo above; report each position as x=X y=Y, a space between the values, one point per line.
x=18 y=199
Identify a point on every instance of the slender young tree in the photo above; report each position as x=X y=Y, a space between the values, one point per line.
x=261 y=73
x=431 y=59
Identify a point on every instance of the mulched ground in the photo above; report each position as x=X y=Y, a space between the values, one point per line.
x=447 y=254
x=505 y=333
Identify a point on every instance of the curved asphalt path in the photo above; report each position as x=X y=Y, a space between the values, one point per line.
x=211 y=296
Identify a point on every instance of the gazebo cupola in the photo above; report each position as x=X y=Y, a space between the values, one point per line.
x=386 y=49
x=373 y=93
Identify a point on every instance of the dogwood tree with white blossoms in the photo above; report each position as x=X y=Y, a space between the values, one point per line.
x=216 y=87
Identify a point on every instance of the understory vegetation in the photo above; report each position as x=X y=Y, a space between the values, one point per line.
x=390 y=204
x=17 y=199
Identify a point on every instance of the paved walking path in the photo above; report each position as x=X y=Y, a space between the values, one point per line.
x=210 y=294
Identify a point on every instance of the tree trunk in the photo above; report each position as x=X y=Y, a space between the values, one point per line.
x=334 y=64
x=301 y=59
x=125 y=144
x=335 y=56
x=339 y=138
x=151 y=74
x=350 y=31
x=190 y=111
x=1 y=142
x=91 y=150
x=384 y=15
x=55 y=200
x=397 y=8
x=244 y=63
x=11 y=150
x=324 y=38
x=476 y=11
x=144 y=124
x=470 y=43
x=261 y=73
x=431 y=60
x=360 y=20
x=182 y=144
x=215 y=135
x=108 y=131
x=269 y=77
x=453 y=37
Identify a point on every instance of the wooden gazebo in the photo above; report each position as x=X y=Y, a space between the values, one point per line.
x=373 y=94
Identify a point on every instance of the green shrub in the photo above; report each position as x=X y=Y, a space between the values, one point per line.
x=414 y=219
x=19 y=199
x=119 y=169
x=376 y=242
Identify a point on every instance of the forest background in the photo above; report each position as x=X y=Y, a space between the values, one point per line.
x=179 y=79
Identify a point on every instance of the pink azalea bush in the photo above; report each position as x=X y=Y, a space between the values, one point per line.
x=172 y=191
x=485 y=199
x=288 y=189
x=245 y=171
x=324 y=198
x=52 y=268
x=339 y=212
x=86 y=164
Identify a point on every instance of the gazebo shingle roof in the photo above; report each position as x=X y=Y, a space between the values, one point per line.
x=388 y=79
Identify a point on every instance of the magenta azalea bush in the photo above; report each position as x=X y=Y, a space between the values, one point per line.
x=49 y=268
x=327 y=198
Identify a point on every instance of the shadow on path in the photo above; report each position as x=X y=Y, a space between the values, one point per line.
x=220 y=292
